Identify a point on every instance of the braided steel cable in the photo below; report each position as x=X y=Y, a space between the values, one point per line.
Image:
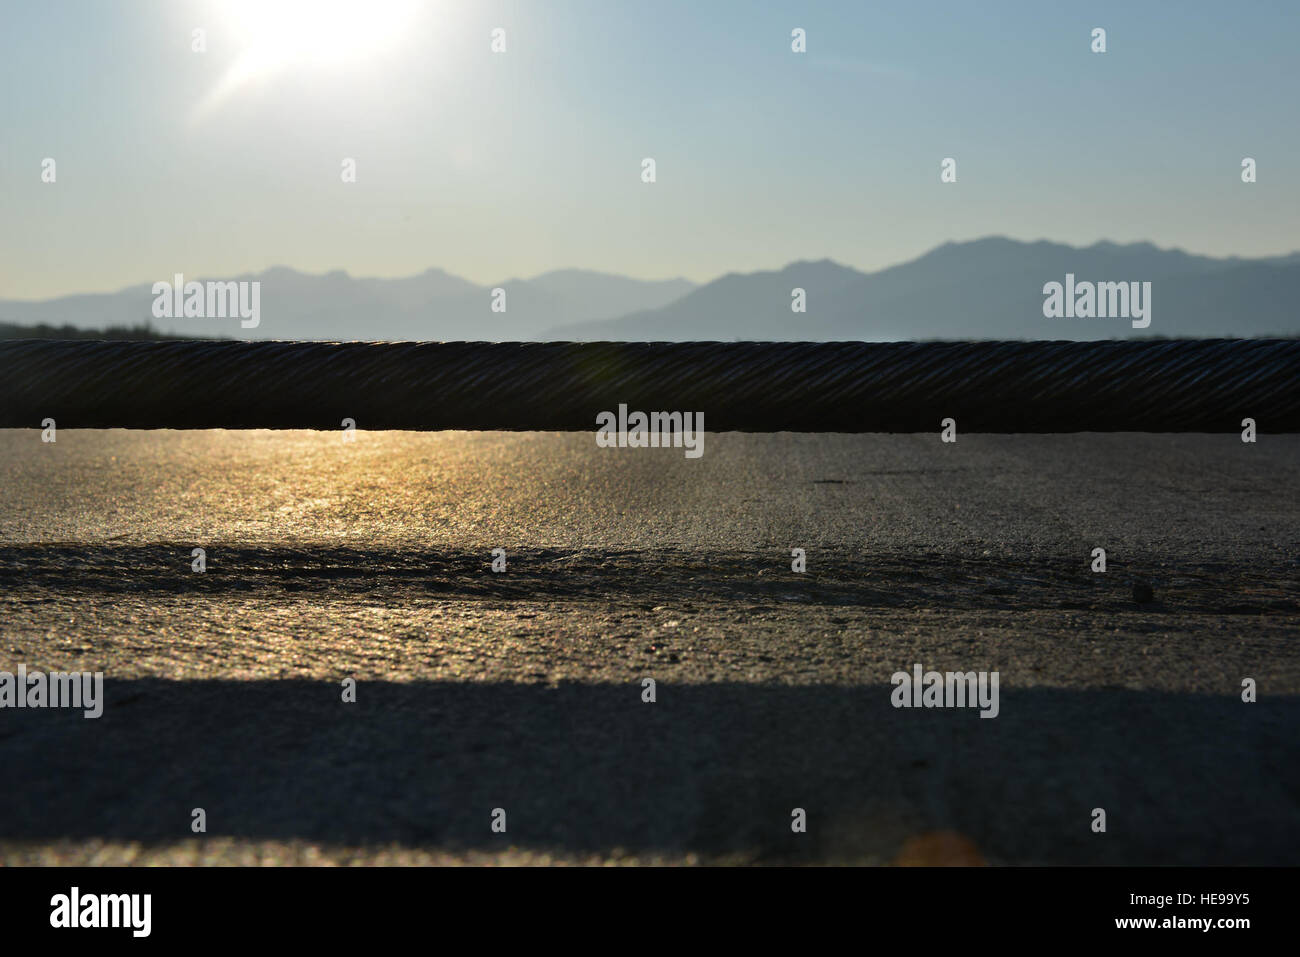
x=1177 y=385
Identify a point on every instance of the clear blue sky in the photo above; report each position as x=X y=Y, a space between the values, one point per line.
x=500 y=165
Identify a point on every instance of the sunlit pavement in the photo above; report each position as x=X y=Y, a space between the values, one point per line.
x=523 y=690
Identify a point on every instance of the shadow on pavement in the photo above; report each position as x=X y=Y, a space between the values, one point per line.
x=713 y=769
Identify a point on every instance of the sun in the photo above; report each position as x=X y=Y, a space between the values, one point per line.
x=275 y=36
x=318 y=33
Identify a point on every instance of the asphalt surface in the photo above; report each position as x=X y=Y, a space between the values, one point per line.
x=523 y=690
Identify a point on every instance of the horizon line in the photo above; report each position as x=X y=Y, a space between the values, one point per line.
x=695 y=284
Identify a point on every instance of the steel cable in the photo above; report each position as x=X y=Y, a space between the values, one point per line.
x=1179 y=385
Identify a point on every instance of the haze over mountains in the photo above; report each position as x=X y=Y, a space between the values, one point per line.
x=431 y=305
x=983 y=289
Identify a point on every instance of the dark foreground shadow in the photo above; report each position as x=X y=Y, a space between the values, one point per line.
x=712 y=769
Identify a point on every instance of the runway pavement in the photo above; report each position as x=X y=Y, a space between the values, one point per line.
x=523 y=690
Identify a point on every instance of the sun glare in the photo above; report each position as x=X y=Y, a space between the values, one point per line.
x=320 y=33
x=280 y=35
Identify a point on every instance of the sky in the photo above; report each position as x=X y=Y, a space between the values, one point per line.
x=499 y=165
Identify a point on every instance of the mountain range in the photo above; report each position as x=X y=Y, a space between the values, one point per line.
x=982 y=289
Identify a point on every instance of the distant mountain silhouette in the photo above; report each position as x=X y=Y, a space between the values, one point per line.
x=433 y=305
x=984 y=289
x=9 y=330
